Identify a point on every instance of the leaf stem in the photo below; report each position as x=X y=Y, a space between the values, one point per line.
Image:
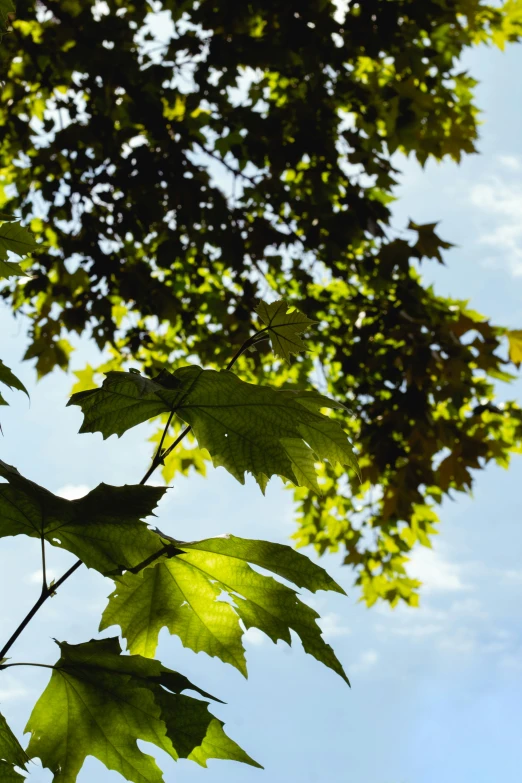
x=44 y=570
x=160 y=456
x=246 y=345
x=39 y=665
x=178 y=440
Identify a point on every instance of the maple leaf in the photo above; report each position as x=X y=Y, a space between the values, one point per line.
x=16 y=239
x=99 y=703
x=11 y=755
x=8 y=378
x=515 y=346
x=244 y=427
x=284 y=327
x=104 y=528
x=182 y=593
x=124 y=400
x=7 y=8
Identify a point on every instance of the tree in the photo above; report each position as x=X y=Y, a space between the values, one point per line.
x=177 y=170
x=100 y=702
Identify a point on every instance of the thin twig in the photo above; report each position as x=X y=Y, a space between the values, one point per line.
x=43 y=598
x=44 y=570
x=40 y=665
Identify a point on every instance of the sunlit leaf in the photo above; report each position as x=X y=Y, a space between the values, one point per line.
x=15 y=239
x=6 y=7
x=11 y=755
x=104 y=528
x=9 y=379
x=285 y=328
x=100 y=703
x=183 y=594
x=515 y=346
x=244 y=427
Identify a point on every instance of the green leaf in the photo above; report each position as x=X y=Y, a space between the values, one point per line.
x=8 y=773
x=104 y=528
x=244 y=427
x=284 y=327
x=99 y=703
x=124 y=400
x=183 y=594
x=16 y=239
x=515 y=346
x=9 y=379
x=6 y=7
x=11 y=754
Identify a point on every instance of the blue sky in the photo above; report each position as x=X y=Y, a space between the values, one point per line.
x=436 y=691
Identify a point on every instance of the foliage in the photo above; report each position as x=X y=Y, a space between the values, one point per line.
x=180 y=593
x=178 y=165
x=243 y=427
x=99 y=701
x=104 y=528
x=6 y=9
x=9 y=379
x=14 y=239
x=11 y=754
x=515 y=346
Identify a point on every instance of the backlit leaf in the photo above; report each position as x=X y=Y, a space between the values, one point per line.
x=9 y=379
x=16 y=239
x=244 y=427
x=124 y=400
x=6 y=7
x=99 y=703
x=104 y=528
x=284 y=327
x=11 y=755
x=8 y=773
x=515 y=346
x=183 y=594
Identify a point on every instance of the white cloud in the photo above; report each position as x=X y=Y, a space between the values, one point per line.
x=366 y=661
x=459 y=640
x=417 y=630
x=501 y=203
x=255 y=637
x=73 y=491
x=435 y=573
x=511 y=162
x=37 y=576
x=512 y=661
x=332 y=626
x=12 y=689
x=512 y=577
x=470 y=607
x=494 y=647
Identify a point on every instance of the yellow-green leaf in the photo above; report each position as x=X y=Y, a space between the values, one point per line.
x=284 y=325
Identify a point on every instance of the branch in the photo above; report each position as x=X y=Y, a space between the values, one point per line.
x=44 y=570
x=46 y=593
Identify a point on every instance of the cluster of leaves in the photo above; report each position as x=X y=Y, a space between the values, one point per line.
x=6 y=9
x=14 y=241
x=99 y=702
x=178 y=162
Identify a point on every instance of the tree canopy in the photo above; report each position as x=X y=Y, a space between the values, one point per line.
x=179 y=160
